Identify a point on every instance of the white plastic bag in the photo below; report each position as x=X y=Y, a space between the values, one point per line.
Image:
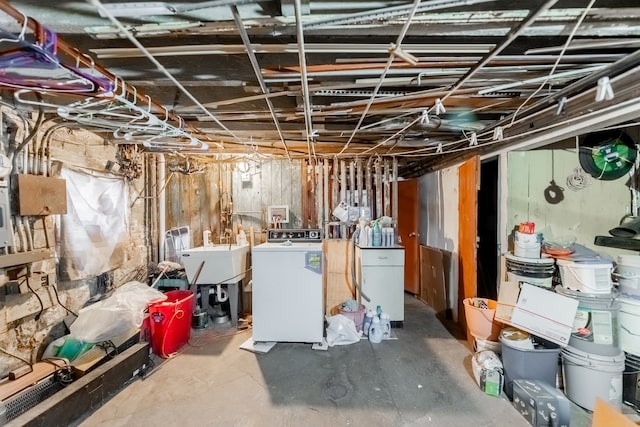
x=341 y=331
x=488 y=372
x=112 y=317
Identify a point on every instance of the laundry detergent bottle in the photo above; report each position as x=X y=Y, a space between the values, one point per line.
x=385 y=325
x=366 y=323
x=375 y=331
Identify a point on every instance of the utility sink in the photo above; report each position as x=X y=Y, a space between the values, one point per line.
x=222 y=264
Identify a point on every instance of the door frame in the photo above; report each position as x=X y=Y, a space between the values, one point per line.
x=468 y=185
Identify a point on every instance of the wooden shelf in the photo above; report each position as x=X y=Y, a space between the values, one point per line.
x=25 y=257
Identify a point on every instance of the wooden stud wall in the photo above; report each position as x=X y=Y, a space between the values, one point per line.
x=338 y=286
x=220 y=199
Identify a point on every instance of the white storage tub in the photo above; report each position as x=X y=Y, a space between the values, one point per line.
x=589 y=277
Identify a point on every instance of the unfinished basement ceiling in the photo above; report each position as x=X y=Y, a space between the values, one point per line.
x=431 y=82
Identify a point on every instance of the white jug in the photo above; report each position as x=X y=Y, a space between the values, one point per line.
x=375 y=331
x=385 y=325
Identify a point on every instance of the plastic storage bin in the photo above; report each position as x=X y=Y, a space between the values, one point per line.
x=537 y=364
x=170 y=322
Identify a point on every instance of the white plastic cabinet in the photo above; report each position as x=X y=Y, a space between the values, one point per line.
x=380 y=272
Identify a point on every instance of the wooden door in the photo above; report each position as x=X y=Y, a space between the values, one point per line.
x=408 y=232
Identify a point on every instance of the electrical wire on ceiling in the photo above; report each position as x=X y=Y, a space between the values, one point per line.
x=558 y=59
x=397 y=46
x=161 y=68
x=441 y=148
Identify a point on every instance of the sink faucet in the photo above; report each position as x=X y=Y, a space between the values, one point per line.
x=226 y=236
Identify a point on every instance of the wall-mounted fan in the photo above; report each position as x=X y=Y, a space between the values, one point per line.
x=607 y=155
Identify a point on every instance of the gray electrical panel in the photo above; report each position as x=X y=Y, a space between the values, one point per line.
x=6 y=232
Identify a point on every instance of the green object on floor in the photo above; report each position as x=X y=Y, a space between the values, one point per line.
x=72 y=348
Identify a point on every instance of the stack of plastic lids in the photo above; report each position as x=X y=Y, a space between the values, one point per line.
x=535 y=271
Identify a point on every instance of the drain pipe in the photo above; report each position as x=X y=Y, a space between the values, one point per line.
x=162 y=217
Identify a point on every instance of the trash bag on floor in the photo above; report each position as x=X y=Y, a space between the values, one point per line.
x=115 y=315
x=341 y=331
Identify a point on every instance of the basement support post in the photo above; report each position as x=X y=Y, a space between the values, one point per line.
x=387 y=188
x=317 y=169
x=335 y=191
x=162 y=204
x=359 y=192
x=325 y=194
x=378 y=185
x=367 y=185
x=394 y=191
x=343 y=190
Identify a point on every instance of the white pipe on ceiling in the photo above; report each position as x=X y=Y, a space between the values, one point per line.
x=305 y=83
x=259 y=48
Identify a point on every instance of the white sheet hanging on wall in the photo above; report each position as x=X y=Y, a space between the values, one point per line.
x=93 y=233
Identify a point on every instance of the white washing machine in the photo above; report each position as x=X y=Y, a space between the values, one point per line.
x=287 y=298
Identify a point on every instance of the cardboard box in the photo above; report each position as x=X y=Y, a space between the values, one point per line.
x=433 y=289
x=536 y=310
x=541 y=404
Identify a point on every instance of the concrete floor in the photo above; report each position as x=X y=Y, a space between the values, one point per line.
x=422 y=378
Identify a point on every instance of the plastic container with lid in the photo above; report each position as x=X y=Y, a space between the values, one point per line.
x=516 y=338
x=590 y=277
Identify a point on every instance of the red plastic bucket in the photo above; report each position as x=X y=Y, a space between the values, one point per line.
x=171 y=322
